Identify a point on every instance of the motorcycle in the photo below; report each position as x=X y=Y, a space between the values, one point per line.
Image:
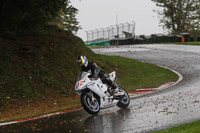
x=95 y=95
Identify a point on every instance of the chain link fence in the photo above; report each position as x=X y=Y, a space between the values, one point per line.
x=120 y=31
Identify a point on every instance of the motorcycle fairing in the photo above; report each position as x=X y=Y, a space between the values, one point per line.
x=97 y=87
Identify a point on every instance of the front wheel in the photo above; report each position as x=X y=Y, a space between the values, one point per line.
x=125 y=100
x=90 y=104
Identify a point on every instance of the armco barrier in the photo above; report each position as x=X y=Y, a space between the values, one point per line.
x=99 y=43
x=121 y=42
x=152 y=39
x=142 y=40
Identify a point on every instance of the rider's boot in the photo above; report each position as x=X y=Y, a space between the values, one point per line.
x=116 y=91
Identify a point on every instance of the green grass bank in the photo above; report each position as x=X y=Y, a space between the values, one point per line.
x=193 y=127
x=133 y=74
x=185 y=43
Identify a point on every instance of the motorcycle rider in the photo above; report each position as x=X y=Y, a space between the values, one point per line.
x=96 y=72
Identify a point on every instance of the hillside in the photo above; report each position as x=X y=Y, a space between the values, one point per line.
x=40 y=67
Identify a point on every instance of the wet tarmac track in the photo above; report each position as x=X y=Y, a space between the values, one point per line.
x=174 y=106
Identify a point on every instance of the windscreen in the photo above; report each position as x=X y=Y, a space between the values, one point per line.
x=82 y=75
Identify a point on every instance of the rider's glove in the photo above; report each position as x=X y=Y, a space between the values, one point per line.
x=95 y=76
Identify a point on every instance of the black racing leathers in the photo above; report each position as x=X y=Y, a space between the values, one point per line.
x=96 y=71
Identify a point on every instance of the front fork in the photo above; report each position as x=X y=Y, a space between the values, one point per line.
x=110 y=91
x=91 y=95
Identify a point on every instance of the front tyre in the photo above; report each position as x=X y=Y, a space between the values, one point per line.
x=91 y=105
x=125 y=100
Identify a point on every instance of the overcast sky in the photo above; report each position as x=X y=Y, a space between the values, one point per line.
x=96 y=14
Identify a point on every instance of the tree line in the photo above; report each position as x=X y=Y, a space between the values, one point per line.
x=179 y=16
x=33 y=17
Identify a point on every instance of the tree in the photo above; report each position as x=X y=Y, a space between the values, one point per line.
x=66 y=18
x=30 y=17
x=178 y=16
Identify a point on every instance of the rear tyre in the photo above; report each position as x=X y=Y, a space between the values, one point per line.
x=125 y=100
x=92 y=106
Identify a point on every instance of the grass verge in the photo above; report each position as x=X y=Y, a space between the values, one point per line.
x=132 y=74
x=193 y=127
x=185 y=43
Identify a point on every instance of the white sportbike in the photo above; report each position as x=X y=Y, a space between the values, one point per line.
x=95 y=95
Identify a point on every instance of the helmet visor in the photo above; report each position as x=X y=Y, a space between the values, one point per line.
x=81 y=62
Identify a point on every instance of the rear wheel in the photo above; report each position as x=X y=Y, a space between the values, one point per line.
x=124 y=101
x=91 y=105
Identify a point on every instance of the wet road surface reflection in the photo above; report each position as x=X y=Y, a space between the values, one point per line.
x=73 y=122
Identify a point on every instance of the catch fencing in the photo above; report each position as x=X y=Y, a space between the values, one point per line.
x=119 y=31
